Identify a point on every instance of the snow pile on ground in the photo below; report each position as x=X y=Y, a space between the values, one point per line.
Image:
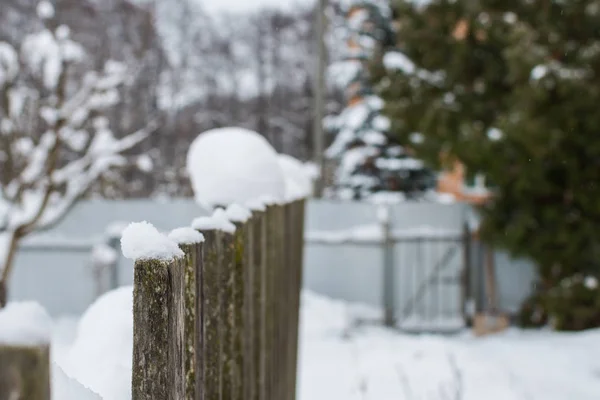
x=67 y=388
x=142 y=241
x=101 y=355
x=233 y=165
x=343 y=359
x=24 y=324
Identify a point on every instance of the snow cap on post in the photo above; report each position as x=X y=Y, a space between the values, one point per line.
x=217 y=221
x=142 y=241
x=186 y=235
x=237 y=213
x=256 y=205
x=298 y=183
x=233 y=165
x=25 y=324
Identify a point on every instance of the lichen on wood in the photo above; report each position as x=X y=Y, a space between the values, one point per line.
x=25 y=372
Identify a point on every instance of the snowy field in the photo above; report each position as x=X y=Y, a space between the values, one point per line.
x=341 y=361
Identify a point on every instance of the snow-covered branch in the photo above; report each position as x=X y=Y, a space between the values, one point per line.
x=56 y=142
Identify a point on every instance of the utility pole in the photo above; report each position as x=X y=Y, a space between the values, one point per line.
x=318 y=133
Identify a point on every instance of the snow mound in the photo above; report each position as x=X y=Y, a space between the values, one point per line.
x=233 y=165
x=237 y=213
x=186 y=235
x=298 y=183
x=66 y=388
x=25 y=324
x=142 y=241
x=100 y=357
x=217 y=221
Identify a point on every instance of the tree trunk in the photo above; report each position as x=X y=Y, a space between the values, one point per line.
x=3 y=294
x=13 y=241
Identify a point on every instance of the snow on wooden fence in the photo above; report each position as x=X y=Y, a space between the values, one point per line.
x=216 y=316
x=24 y=352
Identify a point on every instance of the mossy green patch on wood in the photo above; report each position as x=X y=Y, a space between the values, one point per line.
x=25 y=372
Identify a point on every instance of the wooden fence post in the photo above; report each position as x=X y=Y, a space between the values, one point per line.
x=274 y=254
x=240 y=339
x=211 y=318
x=230 y=372
x=257 y=261
x=158 y=329
x=283 y=302
x=24 y=352
x=297 y=265
x=221 y=378
x=289 y=294
x=191 y=242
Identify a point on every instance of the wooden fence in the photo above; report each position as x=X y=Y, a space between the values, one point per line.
x=222 y=322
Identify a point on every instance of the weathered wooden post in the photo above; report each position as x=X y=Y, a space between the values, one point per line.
x=283 y=303
x=288 y=299
x=158 y=313
x=258 y=262
x=220 y=373
x=190 y=241
x=24 y=352
x=240 y=216
x=274 y=254
x=210 y=306
x=297 y=262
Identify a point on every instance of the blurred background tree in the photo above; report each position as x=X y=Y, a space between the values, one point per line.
x=371 y=161
x=509 y=89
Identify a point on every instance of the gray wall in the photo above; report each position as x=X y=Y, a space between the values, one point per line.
x=62 y=278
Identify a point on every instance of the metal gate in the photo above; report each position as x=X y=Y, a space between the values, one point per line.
x=429 y=285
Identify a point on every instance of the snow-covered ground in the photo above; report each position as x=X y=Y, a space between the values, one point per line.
x=341 y=361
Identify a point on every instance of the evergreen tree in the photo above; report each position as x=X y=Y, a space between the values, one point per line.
x=370 y=158
x=549 y=161
x=447 y=81
x=510 y=89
